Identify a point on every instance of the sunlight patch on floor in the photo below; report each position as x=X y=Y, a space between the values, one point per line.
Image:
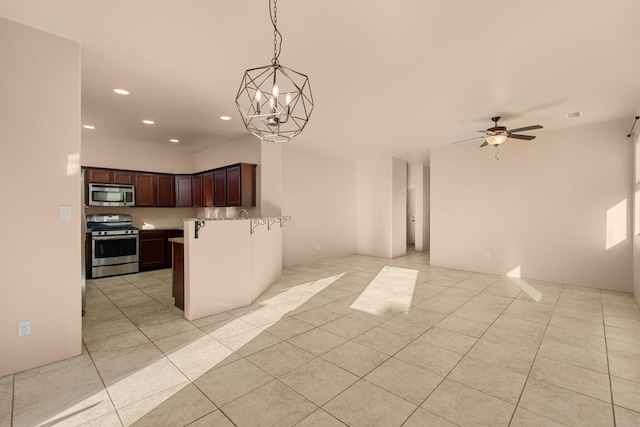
x=515 y=276
x=391 y=291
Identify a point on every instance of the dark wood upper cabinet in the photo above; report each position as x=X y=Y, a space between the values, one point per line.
x=184 y=191
x=197 y=190
x=207 y=188
x=109 y=176
x=166 y=192
x=241 y=188
x=233 y=185
x=99 y=176
x=146 y=190
x=124 y=177
x=220 y=187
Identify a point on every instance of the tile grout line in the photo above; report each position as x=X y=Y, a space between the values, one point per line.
x=606 y=346
x=106 y=389
x=564 y=388
x=476 y=338
x=13 y=397
x=467 y=352
x=165 y=356
x=546 y=327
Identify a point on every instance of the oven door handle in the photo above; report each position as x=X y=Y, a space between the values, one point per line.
x=120 y=237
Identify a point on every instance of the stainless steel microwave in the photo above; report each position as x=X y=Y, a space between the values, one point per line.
x=111 y=195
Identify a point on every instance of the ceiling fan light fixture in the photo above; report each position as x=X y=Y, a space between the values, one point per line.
x=275 y=102
x=496 y=140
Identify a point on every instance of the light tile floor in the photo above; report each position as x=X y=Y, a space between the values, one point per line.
x=355 y=341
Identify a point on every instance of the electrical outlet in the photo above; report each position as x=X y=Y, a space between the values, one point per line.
x=24 y=328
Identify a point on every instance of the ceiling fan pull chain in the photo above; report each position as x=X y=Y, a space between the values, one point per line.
x=496 y=153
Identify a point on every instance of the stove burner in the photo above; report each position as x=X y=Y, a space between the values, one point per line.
x=104 y=227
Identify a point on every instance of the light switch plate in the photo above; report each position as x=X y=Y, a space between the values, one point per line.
x=65 y=213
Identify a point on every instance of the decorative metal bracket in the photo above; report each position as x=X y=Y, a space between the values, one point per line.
x=199 y=224
x=255 y=222
x=283 y=219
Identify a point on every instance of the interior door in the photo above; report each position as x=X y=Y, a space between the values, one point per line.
x=411 y=216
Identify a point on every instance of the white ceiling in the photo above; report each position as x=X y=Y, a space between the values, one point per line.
x=389 y=77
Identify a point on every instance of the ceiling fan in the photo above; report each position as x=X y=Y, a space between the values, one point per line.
x=496 y=135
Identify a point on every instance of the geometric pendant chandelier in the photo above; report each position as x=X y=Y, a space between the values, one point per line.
x=275 y=102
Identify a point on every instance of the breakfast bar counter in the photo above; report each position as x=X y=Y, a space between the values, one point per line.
x=228 y=262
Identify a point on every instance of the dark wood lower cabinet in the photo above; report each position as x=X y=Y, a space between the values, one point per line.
x=155 y=248
x=87 y=256
x=177 y=274
x=153 y=245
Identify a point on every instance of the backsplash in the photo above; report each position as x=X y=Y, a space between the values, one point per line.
x=226 y=212
x=149 y=218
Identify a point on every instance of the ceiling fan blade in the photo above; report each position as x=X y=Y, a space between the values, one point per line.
x=470 y=139
x=525 y=128
x=484 y=144
x=527 y=137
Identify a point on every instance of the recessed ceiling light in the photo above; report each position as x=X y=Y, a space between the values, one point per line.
x=121 y=91
x=174 y=141
x=575 y=115
x=88 y=126
x=225 y=118
x=148 y=122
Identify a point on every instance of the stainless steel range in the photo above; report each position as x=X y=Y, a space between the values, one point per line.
x=114 y=245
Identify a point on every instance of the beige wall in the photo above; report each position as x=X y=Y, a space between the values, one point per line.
x=269 y=180
x=636 y=214
x=118 y=153
x=40 y=137
x=319 y=192
x=551 y=209
x=381 y=207
x=398 y=208
x=243 y=150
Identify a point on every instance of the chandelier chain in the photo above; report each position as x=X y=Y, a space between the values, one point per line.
x=277 y=36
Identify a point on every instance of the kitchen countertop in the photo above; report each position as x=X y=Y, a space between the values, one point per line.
x=177 y=240
x=159 y=228
x=256 y=218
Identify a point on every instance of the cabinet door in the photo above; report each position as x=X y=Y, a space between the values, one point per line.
x=207 y=188
x=87 y=256
x=100 y=176
x=248 y=184
x=146 y=189
x=166 y=192
x=123 y=177
x=177 y=275
x=152 y=249
x=197 y=190
x=184 y=185
x=220 y=187
x=233 y=186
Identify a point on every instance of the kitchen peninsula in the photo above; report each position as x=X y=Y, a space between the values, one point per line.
x=230 y=262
